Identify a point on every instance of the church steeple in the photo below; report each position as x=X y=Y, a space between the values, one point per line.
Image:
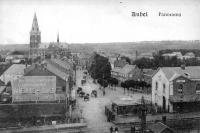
x=58 y=37
x=35 y=26
x=35 y=34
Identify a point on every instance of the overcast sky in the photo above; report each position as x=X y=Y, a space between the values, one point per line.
x=81 y=21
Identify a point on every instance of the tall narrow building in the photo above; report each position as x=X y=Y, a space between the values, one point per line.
x=35 y=36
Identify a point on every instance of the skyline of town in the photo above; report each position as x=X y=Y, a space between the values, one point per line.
x=98 y=22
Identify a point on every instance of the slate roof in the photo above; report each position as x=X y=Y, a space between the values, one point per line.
x=54 y=68
x=57 y=71
x=191 y=72
x=159 y=127
x=2 y=88
x=125 y=70
x=2 y=83
x=149 y=72
x=16 y=69
x=119 y=63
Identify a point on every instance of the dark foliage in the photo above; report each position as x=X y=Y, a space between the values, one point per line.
x=160 y=61
x=134 y=84
x=100 y=68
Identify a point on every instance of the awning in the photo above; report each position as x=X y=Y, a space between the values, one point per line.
x=187 y=98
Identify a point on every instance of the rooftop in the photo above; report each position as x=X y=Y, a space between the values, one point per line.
x=16 y=69
x=125 y=70
x=191 y=72
x=159 y=127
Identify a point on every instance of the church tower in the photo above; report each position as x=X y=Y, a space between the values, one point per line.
x=35 y=34
x=58 y=38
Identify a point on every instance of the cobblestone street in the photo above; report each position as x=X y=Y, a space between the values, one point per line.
x=93 y=110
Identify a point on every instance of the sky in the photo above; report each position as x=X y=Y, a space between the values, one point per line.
x=99 y=21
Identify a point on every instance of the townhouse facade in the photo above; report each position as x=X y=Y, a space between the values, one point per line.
x=128 y=72
x=176 y=89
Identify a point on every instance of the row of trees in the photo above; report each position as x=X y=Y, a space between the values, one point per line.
x=108 y=82
x=160 y=61
x=135 y=84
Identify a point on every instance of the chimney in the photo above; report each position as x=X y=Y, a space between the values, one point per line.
x=183 y=66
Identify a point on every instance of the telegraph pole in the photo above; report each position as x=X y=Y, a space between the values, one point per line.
x=142 y=115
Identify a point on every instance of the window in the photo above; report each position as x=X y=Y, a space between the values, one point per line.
x=156 y=85
x=22 y=90
x=180 y=88
x=164 y=86
x=198 y=88
x=33 y=91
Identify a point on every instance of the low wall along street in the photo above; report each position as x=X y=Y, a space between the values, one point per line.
x=31 y=109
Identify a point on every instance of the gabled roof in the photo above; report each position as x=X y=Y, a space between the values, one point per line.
x=2 y=83
x=119 y=63
x=159 y=127
x=57 y=72
x=191 y=72
x=16 y=69
x=149 y=72
x=125 y=70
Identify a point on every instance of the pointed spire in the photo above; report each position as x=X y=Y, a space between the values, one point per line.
x=58 y=37
x=35 y=26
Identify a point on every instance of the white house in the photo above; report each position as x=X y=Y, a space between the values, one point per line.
x=176 y=87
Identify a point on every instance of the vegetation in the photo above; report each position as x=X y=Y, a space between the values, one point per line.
x=160 y=61
x=134 y=84
x=100 y=68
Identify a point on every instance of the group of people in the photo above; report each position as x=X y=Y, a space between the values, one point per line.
x=114 y=130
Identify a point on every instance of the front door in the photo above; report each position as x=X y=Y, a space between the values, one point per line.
x=164 y=104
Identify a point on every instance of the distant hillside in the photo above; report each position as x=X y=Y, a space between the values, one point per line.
x=13 y=47
x=129 y=47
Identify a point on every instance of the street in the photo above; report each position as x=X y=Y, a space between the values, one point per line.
x=93 y=110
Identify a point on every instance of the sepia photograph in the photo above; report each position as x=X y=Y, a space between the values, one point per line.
x=99 y=66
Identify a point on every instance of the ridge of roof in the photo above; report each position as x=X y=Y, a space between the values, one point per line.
x=191 y=72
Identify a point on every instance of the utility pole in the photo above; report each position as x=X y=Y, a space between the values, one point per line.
x=142 y=115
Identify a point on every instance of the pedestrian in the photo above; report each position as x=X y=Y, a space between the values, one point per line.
x=104 y=92
x=111 y=129
x=132 y=129
x=116 y=130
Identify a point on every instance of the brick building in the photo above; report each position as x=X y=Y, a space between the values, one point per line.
x=177 y=89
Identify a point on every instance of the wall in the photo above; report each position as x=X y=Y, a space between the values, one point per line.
x=157 y=95
x=189 y=87
x=31 y=109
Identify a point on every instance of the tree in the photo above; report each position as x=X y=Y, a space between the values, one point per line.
x=126 y=59
x=123 y=85
x=112 y=81
x=100 y=67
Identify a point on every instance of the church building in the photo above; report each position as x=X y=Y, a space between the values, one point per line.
x=43 y=50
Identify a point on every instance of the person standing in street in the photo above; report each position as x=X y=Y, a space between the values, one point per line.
x=116 y=130
x=104 y=92
x=111 y=129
